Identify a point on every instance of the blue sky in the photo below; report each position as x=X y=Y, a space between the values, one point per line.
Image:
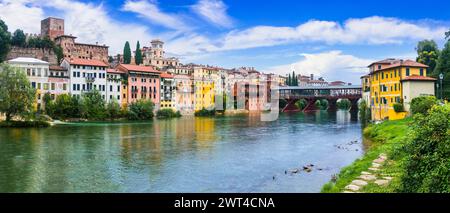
x=333 y=39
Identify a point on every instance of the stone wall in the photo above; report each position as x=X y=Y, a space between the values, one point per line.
x=39 y=53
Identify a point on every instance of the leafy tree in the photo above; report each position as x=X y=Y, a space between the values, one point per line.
x=46 y=99
x=428 y=54
x=289 y=80
x=294 y=79
x=5 y=41
x=138 y=56
x=62 y=107
x=301 y=104
x=19 y=38
x=59 y=53
x=113 y=109
x=16 y=94
x=364 y=112
x=167 y=113
x=94 y=105
x=443 y=66
x=141 y=110
x=344 y=104
x=110 y=59
x=127 y=53
x=322 y=104
x=447 y=35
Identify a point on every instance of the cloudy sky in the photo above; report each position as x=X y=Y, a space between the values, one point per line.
x=334 y=39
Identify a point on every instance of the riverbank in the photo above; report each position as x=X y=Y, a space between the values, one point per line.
x=386 y=138
x=24 y=124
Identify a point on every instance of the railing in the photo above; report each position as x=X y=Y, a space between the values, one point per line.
x=90 y=79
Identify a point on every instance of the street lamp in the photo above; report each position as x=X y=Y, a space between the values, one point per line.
x=441 y=77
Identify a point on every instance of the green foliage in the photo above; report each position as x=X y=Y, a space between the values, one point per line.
x=422 y=104
x=5 y=41
x=428 y=53
x=344 y=104
x=364 y=112
x=398 y=107
x=138 y=56
x=19 y=39
x=141 y=110
x=16 y=94
x=113 y=110
x=289 y=80
x=282 y=103
x=167 y=113
x=58 y=52
x=443 y=66
x=127 y=53
x=301 y=104
x=38 y=42
x=46 y=100
x=447 y=35
x=427 y=168
x=94 y=105
x=322 y=104
x=205 y=113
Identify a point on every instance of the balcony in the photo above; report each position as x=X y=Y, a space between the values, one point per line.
x=89 y=79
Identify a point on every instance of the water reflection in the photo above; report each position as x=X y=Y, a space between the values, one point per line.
x=224 y=154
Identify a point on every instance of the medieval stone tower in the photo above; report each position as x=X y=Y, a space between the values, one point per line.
x=52 y=27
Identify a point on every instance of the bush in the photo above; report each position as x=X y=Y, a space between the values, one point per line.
x=113 y=110
x=301 y=104
x=141 y=110
x=364 y=112
x=24 y=124
x=167 y=113
x=422 y=104
x=427 y=167
x=344 y=104
x=322 y=104
x=94 y=106
x=398 y=107
x=205 y=113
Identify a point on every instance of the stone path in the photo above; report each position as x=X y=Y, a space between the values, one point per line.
x=370 y=176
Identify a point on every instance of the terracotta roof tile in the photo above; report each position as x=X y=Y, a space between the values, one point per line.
x=57 y=68
x=137 y=68
x=166 y=75
x=418 y=78
x=87 y=62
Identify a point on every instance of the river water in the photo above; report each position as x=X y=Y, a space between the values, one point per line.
x=222 y=154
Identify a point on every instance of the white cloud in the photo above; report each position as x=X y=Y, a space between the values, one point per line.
x=19 y=16
x=150 y=11
x=332 y=65
x=213 y=11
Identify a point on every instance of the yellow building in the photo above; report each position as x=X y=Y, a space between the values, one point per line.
x=396 y=81
x=204 y=87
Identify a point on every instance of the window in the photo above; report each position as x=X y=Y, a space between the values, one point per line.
x=110 y=88
x=74 y=87
x=53 y=86
x=421 y=72
x=407 y=71
x=64 y=87
x=118 y=97
x=78 y=87
x=33 y=84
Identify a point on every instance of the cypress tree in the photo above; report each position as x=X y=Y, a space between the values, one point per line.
x=127 y=53
x=138 y=56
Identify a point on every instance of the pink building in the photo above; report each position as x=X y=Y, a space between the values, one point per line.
x=143 y=83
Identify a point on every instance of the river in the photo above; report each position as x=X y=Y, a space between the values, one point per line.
x=222 y=154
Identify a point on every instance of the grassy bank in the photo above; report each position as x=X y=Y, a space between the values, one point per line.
x=24 y=124
x=388 y=137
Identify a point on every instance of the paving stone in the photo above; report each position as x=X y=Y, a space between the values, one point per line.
x=379 y=160
x=349 y=192
x=368 y=177
x=373 y=169
x=352 y=187
x=388 y=178
x=359 y=182
x=382 y=182
x=376 y=165
x=366 y=173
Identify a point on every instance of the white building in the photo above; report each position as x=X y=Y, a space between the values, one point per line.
x=86 y=75
x=59 y=81
x=113 y=85
x=37 y=72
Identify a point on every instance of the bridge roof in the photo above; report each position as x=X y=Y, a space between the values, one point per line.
x=321 y=87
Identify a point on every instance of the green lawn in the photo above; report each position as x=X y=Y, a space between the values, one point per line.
x=387 y=137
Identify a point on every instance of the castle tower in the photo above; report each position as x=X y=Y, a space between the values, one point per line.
x=52 y=27
x=157 y=48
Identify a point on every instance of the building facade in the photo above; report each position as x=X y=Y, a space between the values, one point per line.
x=388 y=79
x=114 y=85
x=155 y=56
x=168 y=92
x=86 y=75
x=204 y=87
x=143 y=83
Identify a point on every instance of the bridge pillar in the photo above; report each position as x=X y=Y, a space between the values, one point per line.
x=311 y=106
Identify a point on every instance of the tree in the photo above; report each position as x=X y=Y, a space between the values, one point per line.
x=16 y=94
x=94 y=105
x=5 y=41
x=428 y=54
x=422 y=104
x=443 y=66
x=138 y=56
x=141 y=110
x=447 y=35
x=344 y=104
x=127 y=53
x=113 y=109
x=62 y=107
x=59 y=53
x=19 y=39
x=294 y=79
x=289 y=80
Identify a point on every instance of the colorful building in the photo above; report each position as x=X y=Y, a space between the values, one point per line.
x=168 y=90
x=37 y=72
x=59 y=81
x=143 y=83
x=184 y=95
x=204 y=87
x=394 y=81
x=86 y=75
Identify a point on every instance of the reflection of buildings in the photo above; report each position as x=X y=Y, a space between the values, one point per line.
x=204 y=132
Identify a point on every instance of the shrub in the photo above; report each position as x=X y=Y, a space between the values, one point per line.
x=422 y=104
x=94 y=106
x=113 y=110
x=301 y=104
x=427 y=167
x=344 y=104
x=24 y=124
x=322 y=104
x=167 y=113
x=364 y=112
x=141 y=110
x=205 y=113
x=398 y=107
